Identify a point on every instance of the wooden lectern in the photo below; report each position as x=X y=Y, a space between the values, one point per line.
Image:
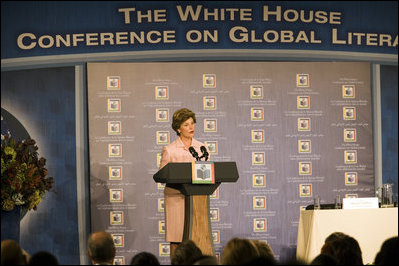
x=197 y=225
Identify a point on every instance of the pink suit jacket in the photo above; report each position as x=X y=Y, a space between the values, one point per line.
x=176 y=152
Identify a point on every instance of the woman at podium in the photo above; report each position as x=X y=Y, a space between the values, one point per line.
x=178 y=152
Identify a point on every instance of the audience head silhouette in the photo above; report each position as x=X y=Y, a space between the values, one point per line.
x=43 y=258
x=324 y=259
x=185 y=253
x=144 y=258
x=388 y=253
x=239 y=251
x=344 y=248
x=266 y=254
x=101 y=248
x=206 y=260
x=12 y=253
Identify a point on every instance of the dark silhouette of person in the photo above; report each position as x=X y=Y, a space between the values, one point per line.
x=388 y=253
x=324 y=259
x=43 y=258
x=12 y=253
x=186 y=253
x=144 y=258
x=101 y=248
x=344 y=248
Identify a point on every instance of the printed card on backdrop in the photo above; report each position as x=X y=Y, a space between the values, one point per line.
x=260 y=225
x=163 y=137
x=113 y=83
x=257 y=114
x=349 y=134
x=303 y=102
x=209 y=103
x=116 y=217
x=161 y=186
x=161 y=227
x=259 y=202
x=114 y=105
x=209 y=80
x=119 y=260
x=119 y=240
x=305 y=190
x=210 y=125
x=164 y=249
x=162 y=92
x=304 y=146
x=258 y=180
x=115 y=150
x=216 y=236
x=159 y=157
x=215 y=194
x=256 y=91
x=302 y=80
x=350 y=178
x=350 y=157
x=203 y=172
x=214 y=214
x=212 y=146
x=258 y=158
x=114 y=128
x=162 y=115
x=161 y=205
x=116 y=195
x=303 y=124
x=258 y=136
x=305 y=168
x=115 y=172
x=349 y=113
x=348 y=91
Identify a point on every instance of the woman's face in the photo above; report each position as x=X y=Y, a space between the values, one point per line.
x=187 y=128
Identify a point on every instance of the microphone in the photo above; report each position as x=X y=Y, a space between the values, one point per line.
x=193 y=153
x=204 y=153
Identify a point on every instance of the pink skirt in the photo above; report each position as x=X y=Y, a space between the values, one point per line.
x=174 y=215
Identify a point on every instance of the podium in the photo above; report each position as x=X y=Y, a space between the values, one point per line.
x=197 y=225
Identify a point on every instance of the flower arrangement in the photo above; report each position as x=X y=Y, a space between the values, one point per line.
x=23 y=175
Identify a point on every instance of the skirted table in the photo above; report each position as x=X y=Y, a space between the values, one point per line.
x=370 y=227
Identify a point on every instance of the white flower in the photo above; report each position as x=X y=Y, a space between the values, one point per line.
x=17 y=198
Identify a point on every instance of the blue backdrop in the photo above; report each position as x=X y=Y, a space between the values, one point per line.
x=349 y=18
x=389 y=114
x=43 y=100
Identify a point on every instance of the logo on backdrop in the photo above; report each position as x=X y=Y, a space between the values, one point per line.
x=209 y=80
x=260 y=225
x=305 y=190
x=256 y=92
x=115 y=172
x=349 y=113
x=113 y=83
x=259 y=180
x=302 y=80
x=349 y=134
x=115 y=150
x=162 y=92
x=303 y=124
x=114 y=105
x=303 y=102
x=348 y=91
x=209 y=103
x=350 y=178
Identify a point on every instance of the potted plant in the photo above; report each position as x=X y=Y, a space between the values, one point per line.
x=24 y=178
